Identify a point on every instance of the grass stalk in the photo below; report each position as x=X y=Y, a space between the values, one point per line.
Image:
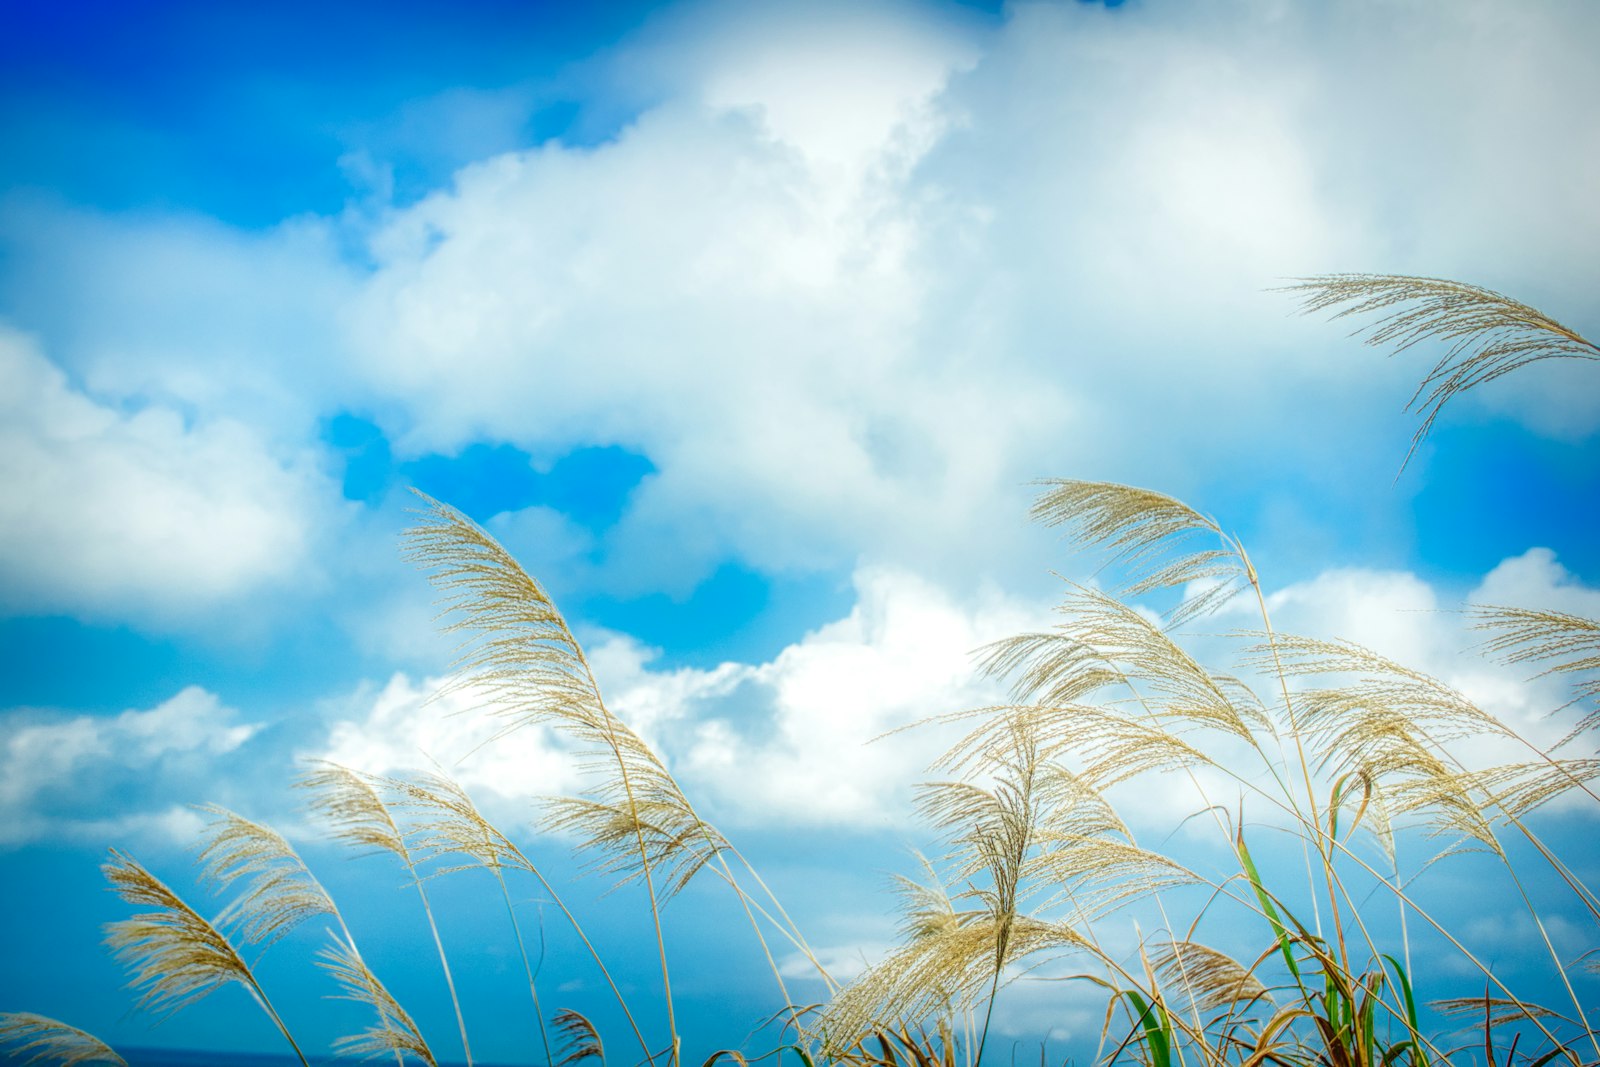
x=644 y=858
x=522 y=949
x=444 y=963
x=362 y=818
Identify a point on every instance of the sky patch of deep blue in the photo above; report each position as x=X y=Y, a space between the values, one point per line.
x=96 y=668
x=61 y=662
x=589 y=485
x=735 y=613
x=243 y=112
x=1477 y=492
x=1496 y=491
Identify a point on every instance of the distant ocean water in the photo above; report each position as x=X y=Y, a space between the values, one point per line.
x=169 y=1057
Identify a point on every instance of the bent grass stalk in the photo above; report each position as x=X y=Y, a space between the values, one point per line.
x=176 y=955
x=460 y=827
x=396 y=1032
x=281 y=894
x=491 y=592
x=522 y=652
x=48 y=1038
x=361 y=818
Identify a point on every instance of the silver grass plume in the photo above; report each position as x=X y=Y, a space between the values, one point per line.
x=1103 y=643
x=1153 y=536
x=1390 y=726
x=1094 y=876
x=1494 y=1012
x=925 y=907
x=1210 y=980
x=532 y=671
x=446 y=822
x=281 y=891
x=1566 y=644
x=175 y=954
x=396 y=1032
x=53 y=1041
x=351 y=802
x=1114 y=745
x=1081 y=862
x=953 y=957
x=953 y=964
x=1487 y=334
x=675 y=845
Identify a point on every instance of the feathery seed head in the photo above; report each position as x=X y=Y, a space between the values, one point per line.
x=281 y=892
x=54 y=1041
x=176 y=957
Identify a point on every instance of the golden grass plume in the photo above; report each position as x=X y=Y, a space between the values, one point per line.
x=52 y=1040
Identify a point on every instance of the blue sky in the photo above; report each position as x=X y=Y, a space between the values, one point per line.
x=746 y=327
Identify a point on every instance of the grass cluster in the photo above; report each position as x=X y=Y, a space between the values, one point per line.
x=1348 y=754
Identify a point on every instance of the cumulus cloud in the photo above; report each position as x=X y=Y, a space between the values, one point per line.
x=791 y=741
x=800 y=739
x=112 y=512
x=847 y=324
x=1397 y=614
x=726 y=288
x=408 y=725
x=1536 y=579
x=854 y=274
x=1392 y=612
x=796 y=741
x=64 y=773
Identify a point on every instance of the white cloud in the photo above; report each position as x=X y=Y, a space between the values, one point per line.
x=1525 y=695
x=849 y=86
x=902 y=655
x=727 y=287
x=796 y=741
x=858 y=272
x=791 y=741
x=1392 y=612
x=61 y=772
x=409 y=725
x=1536 y=579
x=842 y=962
x=847 y=324
x=1402 y=617
x=799 y=740
x=112 y=512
